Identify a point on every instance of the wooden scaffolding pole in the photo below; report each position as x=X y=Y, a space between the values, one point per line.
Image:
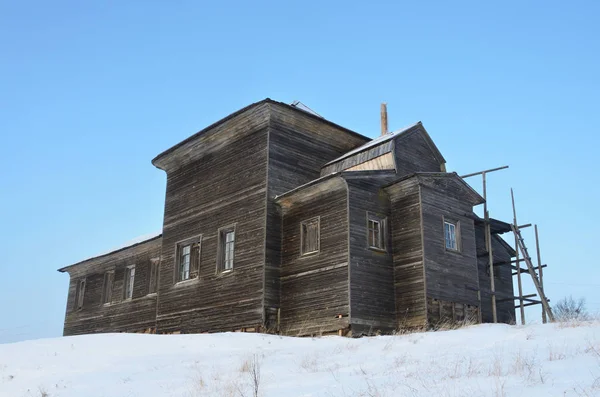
x=488 y=244
x=488 y=237
x=519 y=281
x=540 y=271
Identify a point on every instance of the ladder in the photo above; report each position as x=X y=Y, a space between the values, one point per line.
x=532 y=273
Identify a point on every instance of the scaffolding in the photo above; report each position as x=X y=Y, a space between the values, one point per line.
x=521 y=255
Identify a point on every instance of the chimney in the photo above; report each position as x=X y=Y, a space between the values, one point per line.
x=384 y=121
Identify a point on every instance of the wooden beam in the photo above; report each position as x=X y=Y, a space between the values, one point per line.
x=540 y=271
x=485 y=172
x=519 y=281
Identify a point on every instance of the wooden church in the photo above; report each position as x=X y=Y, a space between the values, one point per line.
x=278 y=220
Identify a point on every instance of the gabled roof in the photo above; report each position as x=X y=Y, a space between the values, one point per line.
x=296 y=107
x=423 y=177
x=392 y=135
x=344 y=174
x=129 y=244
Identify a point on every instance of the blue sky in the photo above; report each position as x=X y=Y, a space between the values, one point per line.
x=90 y=92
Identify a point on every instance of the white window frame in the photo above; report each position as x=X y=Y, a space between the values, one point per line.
x=129 y=282
x=107 y=287
x=304 y=230
x=452 y=235
x=80 y=293
x=226 y=249
x=380 y=230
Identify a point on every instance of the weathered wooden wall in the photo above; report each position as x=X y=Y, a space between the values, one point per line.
x=314 y=288
x=222 y=187
x=451 y=275
x=120 y=315
x=407 y=252
x=414 y=154
x=371 y=271
x=361 y=157
x=503 y=281
x=299 y=145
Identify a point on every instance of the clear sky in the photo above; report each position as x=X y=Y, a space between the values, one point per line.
x=90 y=92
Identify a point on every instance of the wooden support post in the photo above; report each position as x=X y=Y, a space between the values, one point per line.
x=540 y=271
x=488 y=243
x=519 y=281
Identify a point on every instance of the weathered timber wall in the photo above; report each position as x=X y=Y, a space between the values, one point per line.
x=314 y=287
x=224 y=187
x=413 y=154
x=359 y=158
x=371 y=271
x=407 y=252
x=299 y=145
x=451 y=276
x=120 y=315
x=503 y=281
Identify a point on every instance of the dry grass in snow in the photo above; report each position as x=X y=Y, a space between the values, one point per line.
x=482 y=360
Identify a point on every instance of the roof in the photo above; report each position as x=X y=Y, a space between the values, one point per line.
x=496 y=226
x=477 y=198
x=297 y=106
x=129 y=244
x=391 y=135
x=348 y=174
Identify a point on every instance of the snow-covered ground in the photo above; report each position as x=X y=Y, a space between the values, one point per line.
x=483 y=360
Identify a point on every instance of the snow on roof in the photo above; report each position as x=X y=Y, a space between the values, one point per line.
x=301 y=106
x=130 y=243
x=375 y=142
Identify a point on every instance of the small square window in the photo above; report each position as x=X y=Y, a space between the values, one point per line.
x=376 y=231
x=451 y=235
x=107 y=287
x=129 y=281
x=309 y=239
x=226 y=249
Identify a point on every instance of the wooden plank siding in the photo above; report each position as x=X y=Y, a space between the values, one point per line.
x=505 y=309
x=359 y=158
x=407 y=254
x=120 y=315
x=414 y=154
x=224 y=187
x=451 y=275
x=314 y=287
x=299 y=145
x=371 y=271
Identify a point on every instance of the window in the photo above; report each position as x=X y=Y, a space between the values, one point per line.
x=153 y=276
x=79 y=293
x=226 y=249
x=451 y=235
x=107 y=287
x=376 y=231
x=129 y=281
x=188 y=257
x=309 y=236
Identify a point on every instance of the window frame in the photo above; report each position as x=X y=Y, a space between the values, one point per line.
x=194 y=261
x=457 y=235
x=80 y=293
x=108 y=287
x=153 y=272
x=222 y=242
x=317 y=220
x=382 y=229
x=127 y=279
